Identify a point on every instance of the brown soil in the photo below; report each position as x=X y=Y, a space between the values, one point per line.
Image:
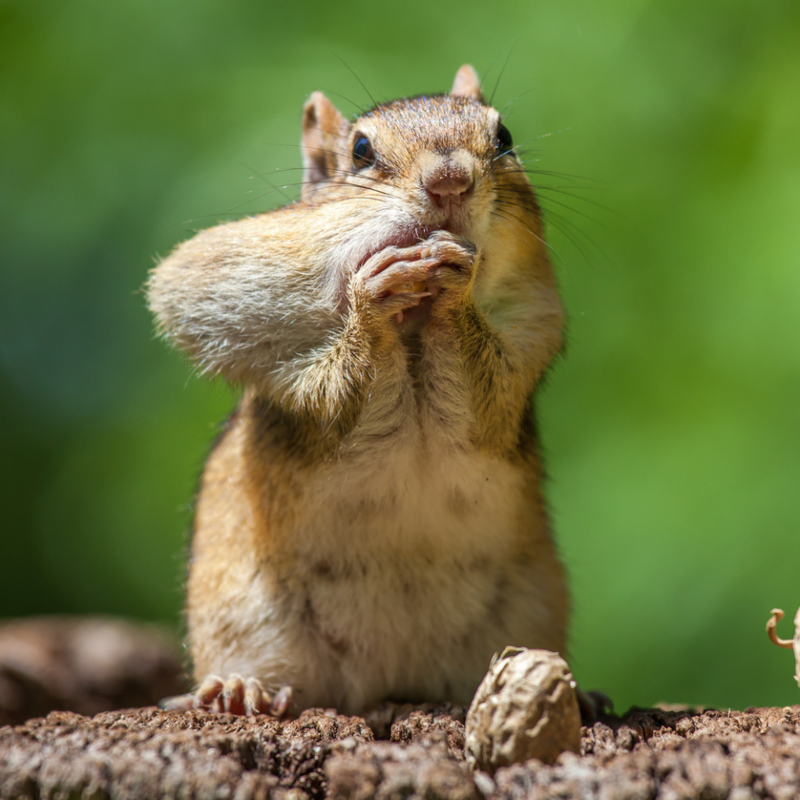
x=152 y=753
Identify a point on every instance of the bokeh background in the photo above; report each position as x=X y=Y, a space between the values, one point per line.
x=665 y=137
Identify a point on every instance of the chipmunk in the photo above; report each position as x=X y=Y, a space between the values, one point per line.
x=371 y=525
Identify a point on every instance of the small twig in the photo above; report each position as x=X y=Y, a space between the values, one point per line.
x=777 y=616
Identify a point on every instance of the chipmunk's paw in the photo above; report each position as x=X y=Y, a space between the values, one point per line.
x=236 y=695
x=396 y=279
x=454 y=259
x=594 y=706
x=448 y=248
x=393 y=280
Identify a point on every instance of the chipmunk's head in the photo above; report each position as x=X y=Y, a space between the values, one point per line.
x=426 y=163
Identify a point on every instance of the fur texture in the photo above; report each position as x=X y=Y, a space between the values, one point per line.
x=371 y=526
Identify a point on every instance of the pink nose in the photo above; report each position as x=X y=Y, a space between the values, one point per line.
x=449 y=188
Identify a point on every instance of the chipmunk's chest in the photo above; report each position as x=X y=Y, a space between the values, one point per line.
x=411 y=504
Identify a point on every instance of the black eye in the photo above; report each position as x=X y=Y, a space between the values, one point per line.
x=363 y=154
x=504 y=140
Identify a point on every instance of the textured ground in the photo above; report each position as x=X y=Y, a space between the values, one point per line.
x=395 y=752
x=150 y=753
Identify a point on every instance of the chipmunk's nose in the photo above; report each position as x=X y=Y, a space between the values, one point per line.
x=449 y=185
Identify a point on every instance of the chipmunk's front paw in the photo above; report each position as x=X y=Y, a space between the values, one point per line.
x=236 y=695
x=450 y=248
x=454 y=259
x=393 y=280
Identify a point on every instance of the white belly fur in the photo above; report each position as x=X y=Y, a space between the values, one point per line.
x=406 y=582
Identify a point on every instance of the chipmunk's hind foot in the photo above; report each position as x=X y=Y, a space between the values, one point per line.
x=594 y=706
x=236 y=695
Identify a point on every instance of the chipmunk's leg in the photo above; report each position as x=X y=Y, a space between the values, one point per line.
x=236 y=695
x=327 y=390
x=469 y=364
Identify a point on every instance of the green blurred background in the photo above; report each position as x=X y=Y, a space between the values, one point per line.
x=672 y=425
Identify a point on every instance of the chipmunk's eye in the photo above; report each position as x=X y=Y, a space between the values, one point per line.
x=504 y=141
x=363 y=154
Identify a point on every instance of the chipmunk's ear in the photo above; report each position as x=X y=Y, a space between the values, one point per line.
x=324 y=129
x=467 y=84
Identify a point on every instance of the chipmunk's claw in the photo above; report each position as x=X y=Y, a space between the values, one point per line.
x=236 y=695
